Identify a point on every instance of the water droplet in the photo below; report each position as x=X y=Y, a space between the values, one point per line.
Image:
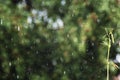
x=63 y=2
x=18 y=28
x=92 y=57
x=18 y=77
x=72 y=15
x=31 y=47
x=92 y=44
x=64 y=72
x=6 y=46
x=68 y=35
x=1 y=21
x=10 y=63
x=29 y=20
x=18 y=58
x=37 y=52
x=47 y=64
x=113 y=10
x=72 y=54
x=81 y=67
x=119 y=43
x=11 y=39
x=54 y=62
x=118 y=49
x=98 y=20
x=61 y=59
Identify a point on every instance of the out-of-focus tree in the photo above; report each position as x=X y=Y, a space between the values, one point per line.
x=56 y=39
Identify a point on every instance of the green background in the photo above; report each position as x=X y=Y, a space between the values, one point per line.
x=57 y=39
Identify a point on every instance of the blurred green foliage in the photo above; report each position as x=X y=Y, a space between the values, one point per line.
x=56 y=39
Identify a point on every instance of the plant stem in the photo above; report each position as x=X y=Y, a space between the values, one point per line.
x=108 y=54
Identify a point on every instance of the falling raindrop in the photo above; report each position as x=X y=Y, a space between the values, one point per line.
x=14 y=44
x=81 y=67
x=29 y=20
x=18 y=77
x=47 y=64
x=18 y=58
x=54 y=62
x=118 y=49
x=92 y=57
x=31 y=47
x=11 y=39
x=61 y=59
x=72 y=15
x=119 y=43
x=113 y=10
x=72 y=54
x=63 y=2
x=1 y=21
x=10 y=63
x=18 y=28
x=92 y=44
x=6 y=46
x=68 y=35
x=64 y=72
x=98 y=20
x=37 y=52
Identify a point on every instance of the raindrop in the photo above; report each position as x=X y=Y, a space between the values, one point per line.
x=47 y=64
x=18 y=58
x=85 y=62
x=29 y=20
x=86 y=67
x=118 y=49
x=63 y=2
x=18 y=77
x=64 y=72
x=11 y=39
x=113 y=10
x=1 y=21
x=18 y=28
x=72 y=54
x=72 y=15
x=37 y=41
x=6 y=46
x=14 y=44
x=98 y=20
x=68 y=35
x=92 y=44
x=37 y=52
x=10 y=63
x=31 y=47
x=61 y=59
x=119 y=43
x=81 y=67
x=92 y=57
x=99 y=76
x=54 y=62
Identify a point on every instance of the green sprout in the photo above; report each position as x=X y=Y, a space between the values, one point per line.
x=110 y=41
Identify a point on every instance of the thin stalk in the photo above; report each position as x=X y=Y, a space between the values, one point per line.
x=108 y=54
